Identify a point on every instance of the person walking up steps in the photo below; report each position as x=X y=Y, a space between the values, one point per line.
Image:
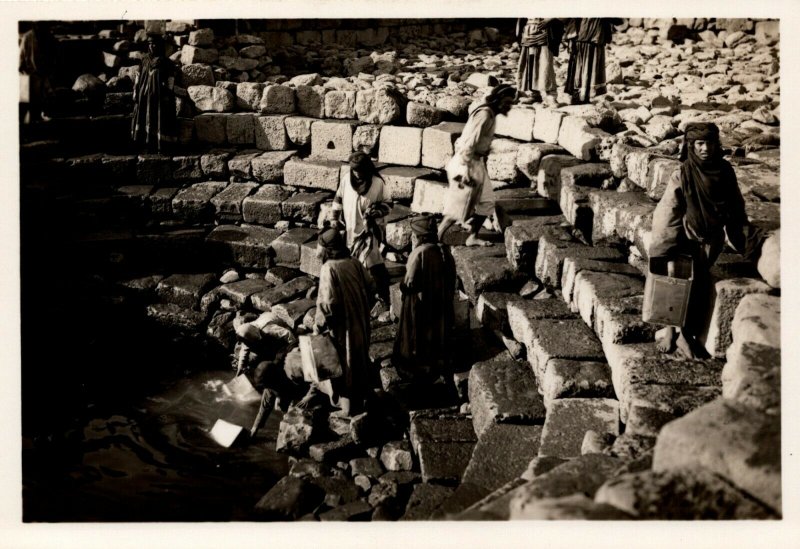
x=470 y=195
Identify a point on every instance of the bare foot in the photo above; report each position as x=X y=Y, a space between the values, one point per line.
x=690 y=347
x=473 y=240
x=665 y=339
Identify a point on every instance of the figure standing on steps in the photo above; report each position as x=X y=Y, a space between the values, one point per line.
x=154 y=121
x=37 y=59
x=470 y=195
x=360 y=202
x=539 y=40
x=343 y=306
x=701 y=206
x=426 y=318
x=586 y=70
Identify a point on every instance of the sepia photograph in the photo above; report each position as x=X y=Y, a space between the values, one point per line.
x=450 y=269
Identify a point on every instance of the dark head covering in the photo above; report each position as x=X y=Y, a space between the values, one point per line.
x=333 y=243
x=363 y=163
x=708 y=186
x=424 y=227
x=499 y=92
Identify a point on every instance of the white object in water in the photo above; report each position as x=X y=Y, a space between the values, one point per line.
x=241 y=389
x=225 y=433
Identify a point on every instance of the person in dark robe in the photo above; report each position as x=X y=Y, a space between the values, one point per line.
x=360 y=203
x=586 y=70
x=702 y=206
x=343 y=307
x=154 y=121
x=539 y=41
x=426 y=318
x=37 y=61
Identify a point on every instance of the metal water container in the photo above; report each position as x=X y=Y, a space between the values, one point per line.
x=666 y=298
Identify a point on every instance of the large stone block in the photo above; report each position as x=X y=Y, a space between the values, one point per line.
x=303 y=206
x=311 y=101
x=194 y=203
x=484 y=268
x=293 y=289
x=240 y=291
x=659 y=173
x=522 y=240
x=569 y=419
x=429 y=196
x=651 y=407
x=501 y=164
x=184 y=290
x=248 y=95
x=757 y=319
x=423 y=115
x=287 y=246
x=211 y=128
x=240 y=129
x=186 y=168
x=246 y=246
x=752 y=376
x=769 y=263
x=152 y=169
x=438 y=143
x=582 y=475
x=577 y=137
x=572 y=266
x=564 y=378
x=502 y=454
x=523 y=313
x=317 y=174
x=366 y=137
x=730 y=439
x=679 y=494
x=211 y=98
x=529 y=157
x=340 y=104
x=555 y=248
x=502 y=390
x=268 y=167
x=518 y=123
x=228 y=203
x=607 y=207
x=548 y=178
x=546 y=125
x=619 y=320
x=443 y=444
x=264 y=206
x=728 y=295
x=378 y=106
x=592 y=288
x=193 y=54
x=332 y=139
x=270 y=133
x=241 y=164
x=562 y=338
x=277 y=99
x=399 y=180
x=197 y=74
x=310 y=263
x=298 y=129
x=400 y=145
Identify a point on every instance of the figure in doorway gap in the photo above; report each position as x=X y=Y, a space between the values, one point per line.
x=154 y=121
x=586 y=71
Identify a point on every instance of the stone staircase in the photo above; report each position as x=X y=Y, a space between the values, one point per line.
x=565 y=409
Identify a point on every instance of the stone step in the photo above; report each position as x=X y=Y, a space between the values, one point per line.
x=185 y=290
x=482 y=269
x=243 y=246
x=522 y=240
x=679 y=494
x=727 y=296
x=501 y=390
x=569 y=419
x=730 y=439
x=555 y=248
x=502 y=454
x=443 y=444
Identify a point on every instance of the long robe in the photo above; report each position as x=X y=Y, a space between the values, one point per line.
x=586 y=70
x=673 y=235
x=154 y=120
x=535 y=68
x=469 y=161
x=343 y=308
x=354 y=208
x=426 y=317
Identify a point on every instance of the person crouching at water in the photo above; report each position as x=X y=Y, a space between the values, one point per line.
x=343 y=306
x=470 y=194
x=360 y=203
x=426 y=317
x=701 y=206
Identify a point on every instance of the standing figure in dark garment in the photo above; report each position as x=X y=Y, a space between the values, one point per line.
x=37 y=59
x=586 y=71
x=426 y=318
x=539 y=40
x=154 y=119
x=701 y=206
x=343 y=306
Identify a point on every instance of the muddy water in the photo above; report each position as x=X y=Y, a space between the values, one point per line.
x=153 y=460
